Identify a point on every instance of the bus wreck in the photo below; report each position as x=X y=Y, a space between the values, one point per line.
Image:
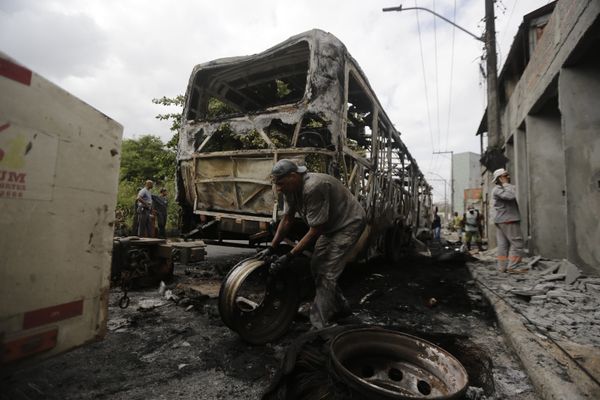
x=305 y=99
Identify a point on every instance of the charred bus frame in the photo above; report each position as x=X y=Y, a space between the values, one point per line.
x=305 y=99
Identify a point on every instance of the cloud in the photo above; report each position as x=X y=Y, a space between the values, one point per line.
x=60 y=45
x=118 y=55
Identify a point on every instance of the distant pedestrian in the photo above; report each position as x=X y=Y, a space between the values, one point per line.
x=436 y=226
x=472 y=224
x=144 y=209
x=457 y=225
x=160 y=204
x=508 y=223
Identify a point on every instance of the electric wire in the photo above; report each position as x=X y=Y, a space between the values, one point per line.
x=451 y=78
x=506 y=26
x=424 y=80
x=437 y=84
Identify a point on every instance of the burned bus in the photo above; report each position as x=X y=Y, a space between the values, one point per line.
x=305 y=99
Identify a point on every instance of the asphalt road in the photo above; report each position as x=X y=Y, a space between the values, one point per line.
x=157 y=349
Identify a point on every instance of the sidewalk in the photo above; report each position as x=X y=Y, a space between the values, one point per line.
x=551 y=317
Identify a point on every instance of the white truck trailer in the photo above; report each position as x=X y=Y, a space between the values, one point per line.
x=59 y=167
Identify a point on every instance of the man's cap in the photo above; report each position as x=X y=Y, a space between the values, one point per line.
x=149 y=181
x=285 y=166
x=498 y=173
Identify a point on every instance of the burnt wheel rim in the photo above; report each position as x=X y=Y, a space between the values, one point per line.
x=264 y=318
x=391 y=365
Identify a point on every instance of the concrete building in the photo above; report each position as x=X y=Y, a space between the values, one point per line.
x=549 y=92
x=466 y=174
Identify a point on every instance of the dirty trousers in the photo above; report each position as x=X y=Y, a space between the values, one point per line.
x=510 y=245
x=144 y=223
x=326 y=265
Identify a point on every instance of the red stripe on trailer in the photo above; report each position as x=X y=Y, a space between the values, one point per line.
x=29 y=345
x=48 y=315
x=15 y=72
x=3 y=127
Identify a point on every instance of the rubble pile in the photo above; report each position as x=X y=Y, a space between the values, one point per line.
x=553 y=295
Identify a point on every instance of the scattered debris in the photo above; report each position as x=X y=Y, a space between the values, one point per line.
x=169 y=295
x=533 y=262
x=149 y=304
x=117 y=324
x=570 y=270
x=373 y=294
x=553 y=277
x=560 y=301
x=551 y=267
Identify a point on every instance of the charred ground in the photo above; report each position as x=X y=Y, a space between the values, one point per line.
x=162 y=349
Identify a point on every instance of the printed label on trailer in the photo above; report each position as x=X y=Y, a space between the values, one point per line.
x=27 y=162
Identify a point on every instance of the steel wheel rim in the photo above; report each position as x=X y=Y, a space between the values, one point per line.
x=271 y=318
x=387 y=364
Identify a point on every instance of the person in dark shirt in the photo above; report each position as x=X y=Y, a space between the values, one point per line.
x=160 y=204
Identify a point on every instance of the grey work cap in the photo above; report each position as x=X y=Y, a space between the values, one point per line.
x=284 y=167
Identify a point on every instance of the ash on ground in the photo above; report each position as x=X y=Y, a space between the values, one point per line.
x=173 y=344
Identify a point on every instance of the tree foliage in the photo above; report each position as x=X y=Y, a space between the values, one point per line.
x=146 y=158
x=174 y=117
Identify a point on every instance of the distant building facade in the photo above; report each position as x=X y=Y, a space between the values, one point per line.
x=466 y=174
x=549 y=92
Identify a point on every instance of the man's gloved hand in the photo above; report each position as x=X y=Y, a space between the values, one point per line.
x=280 y=263
x=269 y=251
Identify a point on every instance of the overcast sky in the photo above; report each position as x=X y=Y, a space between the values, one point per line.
x=117 y=55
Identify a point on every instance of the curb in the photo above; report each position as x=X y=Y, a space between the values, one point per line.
x=554 y=375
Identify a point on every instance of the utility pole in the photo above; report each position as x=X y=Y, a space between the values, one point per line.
x=493 y=111
x=451 y=177
x=445 y=197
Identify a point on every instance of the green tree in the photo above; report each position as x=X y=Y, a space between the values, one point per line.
x=174 y=117
x=146 y=158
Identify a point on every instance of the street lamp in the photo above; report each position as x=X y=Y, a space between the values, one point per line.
x=399 y=8
x=493 y=108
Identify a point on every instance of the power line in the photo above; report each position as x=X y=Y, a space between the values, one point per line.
x=424 y=78
x=506 y=25
x=437 y=84
x=451 y=78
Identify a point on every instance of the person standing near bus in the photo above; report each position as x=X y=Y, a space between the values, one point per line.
x=144 y=209
x=508 y=223
x=436 y=226
x=160 y=204
x=335 y=220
